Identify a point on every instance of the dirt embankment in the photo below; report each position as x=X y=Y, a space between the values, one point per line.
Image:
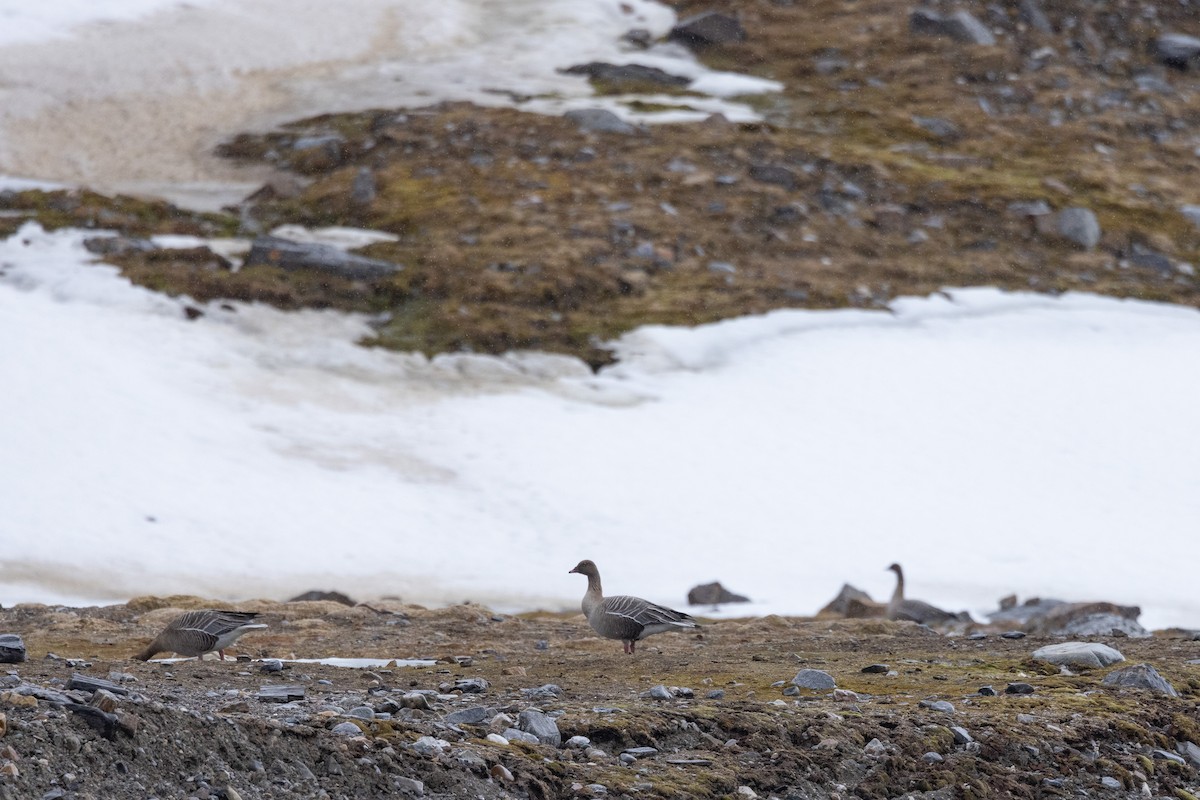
x=731 y=723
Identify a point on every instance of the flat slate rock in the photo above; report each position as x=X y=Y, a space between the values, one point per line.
x=12 y=649
x=627 y=73
x=90 y=684
x=1140 y=676
x=1088 y=655
x=286 y=254
x=280 y=694
x=475 y=715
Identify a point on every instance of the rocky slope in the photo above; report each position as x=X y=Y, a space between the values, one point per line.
x=496 y=709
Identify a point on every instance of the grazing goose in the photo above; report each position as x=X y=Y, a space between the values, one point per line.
x=629 y=619
x=914 y=610
x=195 y=633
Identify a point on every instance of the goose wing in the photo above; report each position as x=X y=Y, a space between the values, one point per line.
x=641 y=617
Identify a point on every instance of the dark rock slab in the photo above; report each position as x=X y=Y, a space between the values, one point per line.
x=280 y=693
x=316 y=594
x=713 y=594
x=476 y=715
x=1019 y=688
x=599 y=120
x=286 y=254
x=707 y=29
x=876 y=669
x=627 y=73
x=961 y=26
x=640 y=752
x=1140 y=676
x=89 y=684
x=102 y=722
x=1140 y=255
x=1177 y=50
x=12 y=649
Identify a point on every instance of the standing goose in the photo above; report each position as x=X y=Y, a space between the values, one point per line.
x=914 y=610
x=629 y=619
x=195 y=633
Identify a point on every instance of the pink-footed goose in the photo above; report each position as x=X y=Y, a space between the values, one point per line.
x=914 y=610
x=195 y=633
x=629 y=619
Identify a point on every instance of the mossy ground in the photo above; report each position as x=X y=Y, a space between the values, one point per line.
x=519 y=231
x=1075 y=731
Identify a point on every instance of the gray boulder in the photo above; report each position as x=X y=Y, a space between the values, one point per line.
x=12 y=649
x=286 y=254
x=541 y=726
x=1140 y=676
x=1076 y=225
x=814 y=679
x=627 y=73
x=1087 y=655
x=961 y=26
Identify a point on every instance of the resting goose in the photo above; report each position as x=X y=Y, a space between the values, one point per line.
x=629 y=619
x=914 y=610
x=195 y=633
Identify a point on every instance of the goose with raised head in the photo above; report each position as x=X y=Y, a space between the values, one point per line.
x=195 y=633
x=914 y=610
x=629 y=619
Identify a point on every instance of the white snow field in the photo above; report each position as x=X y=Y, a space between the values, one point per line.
x=991 y=442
